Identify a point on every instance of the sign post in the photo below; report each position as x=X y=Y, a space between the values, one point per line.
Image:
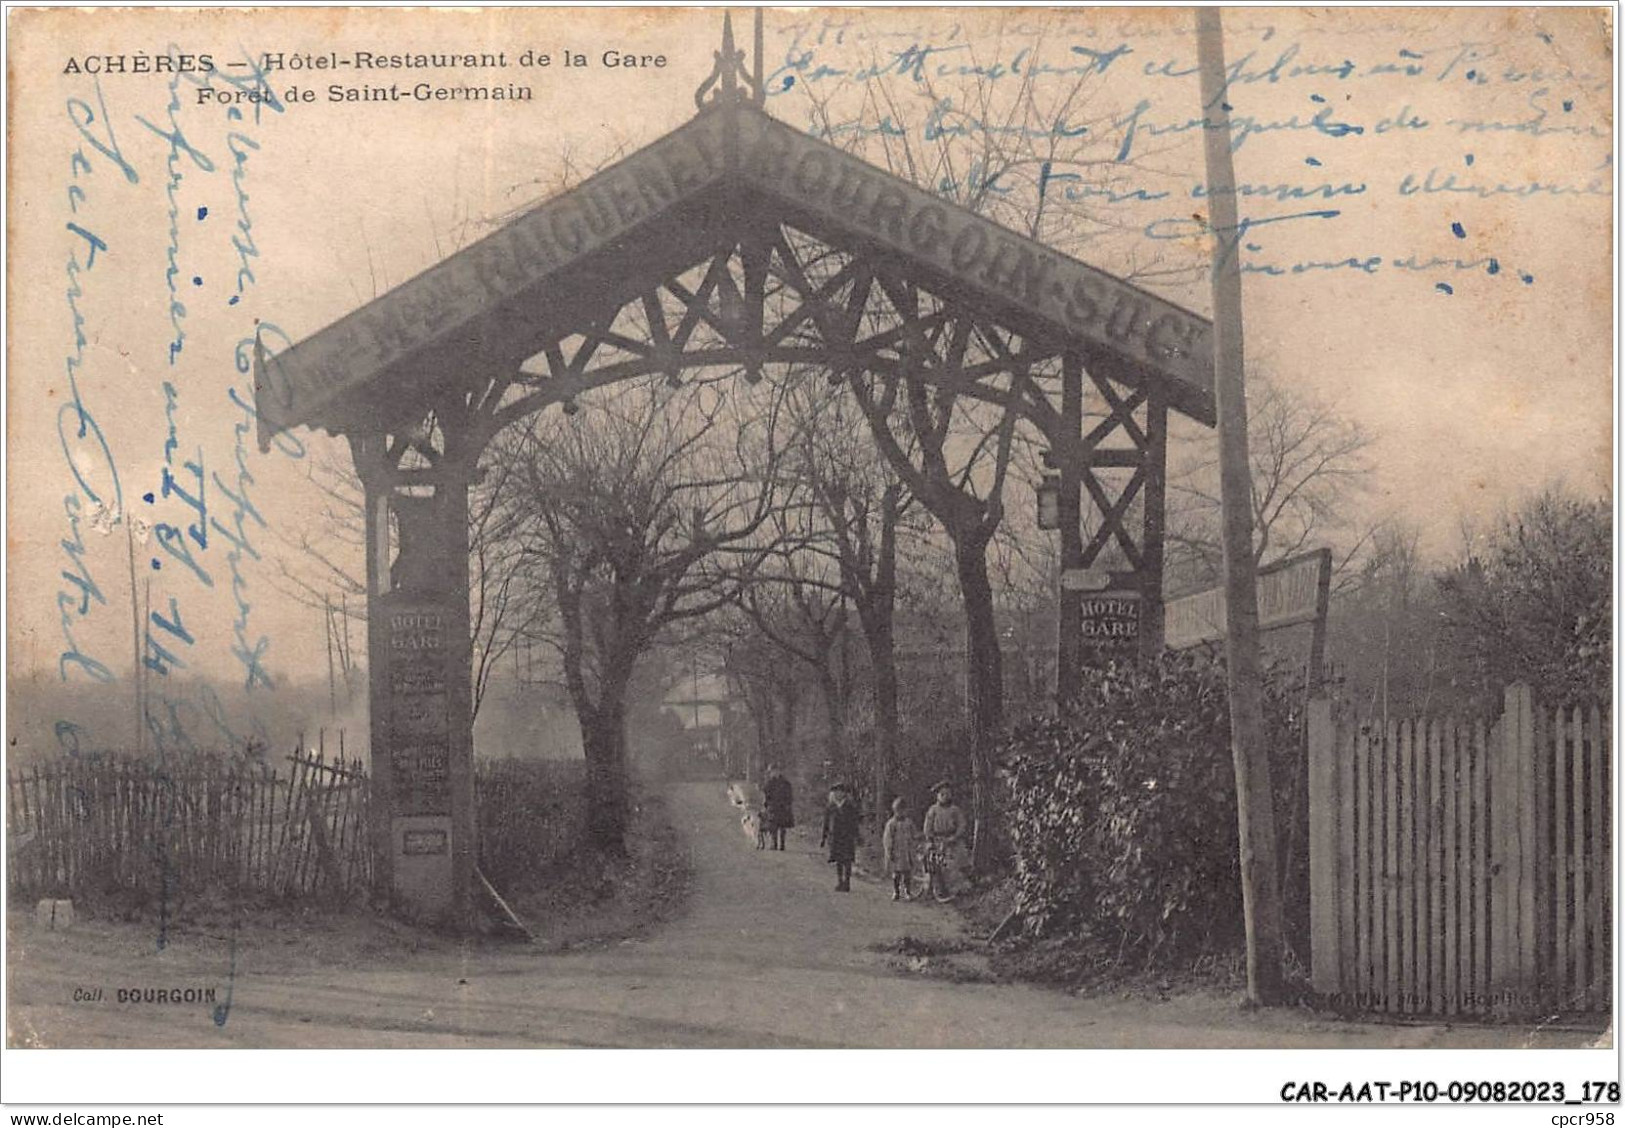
x=421 y=716
x=1290 y=592
x=418 y=723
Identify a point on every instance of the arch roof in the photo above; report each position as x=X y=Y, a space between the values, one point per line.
x=486 y=306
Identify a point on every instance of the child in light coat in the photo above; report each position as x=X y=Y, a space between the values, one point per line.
x=898 y=843
x=944 y=828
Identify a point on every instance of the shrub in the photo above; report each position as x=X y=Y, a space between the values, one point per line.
x=1538 y=607
x=531 y=817
x=1122 y=813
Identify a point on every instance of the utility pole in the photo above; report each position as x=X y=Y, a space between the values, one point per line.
x=332 y=684
x=1255 y=810
x=345 y=664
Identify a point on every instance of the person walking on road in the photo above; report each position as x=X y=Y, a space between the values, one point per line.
x=780 y=803
x=898 y=842
x=841 y=835
x=944 y=827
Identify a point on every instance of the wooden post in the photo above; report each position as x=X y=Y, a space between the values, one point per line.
x=1438 y=749
x=1419 y=870
x=369 y=463
x=1599 y=856
x=1406 y=876
x=1525 y=756
x=1069 y=512
x=1390 y=867
x=315 y=813
x=1480 y=876
x=1501 y=814
x=459 y=681
x=1541 y=767
x=1422 y=749
x=332 y=680
x=1562 y=863
x=1326 y=813
x=1584 y=846
x=1455 y=782
x=1511 y=799
x=1347 y=801
x=1255 y=814
x=1364 y=906
x=1154 y=495
x=1316 y=676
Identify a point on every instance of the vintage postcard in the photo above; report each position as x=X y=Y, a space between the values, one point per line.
x=706 y=528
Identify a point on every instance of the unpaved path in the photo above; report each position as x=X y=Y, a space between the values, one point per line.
x=766 y=955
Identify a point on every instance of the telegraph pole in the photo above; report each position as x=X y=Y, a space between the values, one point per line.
x=1255 y=810
x=332 y=683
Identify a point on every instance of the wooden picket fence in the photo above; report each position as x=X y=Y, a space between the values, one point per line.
x=1462 y=869
x=90 y=829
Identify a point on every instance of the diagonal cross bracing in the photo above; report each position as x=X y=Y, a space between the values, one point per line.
x=735 y=179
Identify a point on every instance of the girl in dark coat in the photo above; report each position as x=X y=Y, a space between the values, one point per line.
x=780 y=805
x=841 y=835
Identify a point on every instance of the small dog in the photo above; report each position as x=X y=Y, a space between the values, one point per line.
x=754 y=823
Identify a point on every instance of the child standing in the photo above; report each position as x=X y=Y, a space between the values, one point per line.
x=944 y=827
x=898 y=842
x=841 y=835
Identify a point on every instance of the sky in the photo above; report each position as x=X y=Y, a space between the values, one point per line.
x=1428 y=243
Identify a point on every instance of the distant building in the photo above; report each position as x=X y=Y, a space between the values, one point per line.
x=707 y=710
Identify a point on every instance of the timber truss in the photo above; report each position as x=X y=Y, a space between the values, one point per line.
x=775 y=295
x=779 y=296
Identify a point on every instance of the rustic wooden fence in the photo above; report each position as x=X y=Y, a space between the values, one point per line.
x=1459 y=869
x=95 y=828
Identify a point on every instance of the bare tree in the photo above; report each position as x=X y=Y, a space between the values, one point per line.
x=639 y=514
x=1038 y=148
x=855 y=511
x=1388 y=625
x=770 y=688
x=808 y=622
x=969 y=505
x=323 y=559
x=1309 y=465
x=1036 y=156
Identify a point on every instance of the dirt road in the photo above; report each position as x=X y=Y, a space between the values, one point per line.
x=766 y=955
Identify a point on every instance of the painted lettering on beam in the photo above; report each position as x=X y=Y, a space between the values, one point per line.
x=542 y=242
x=1059 y=290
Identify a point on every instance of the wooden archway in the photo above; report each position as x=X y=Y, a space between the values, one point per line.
x=733 y=241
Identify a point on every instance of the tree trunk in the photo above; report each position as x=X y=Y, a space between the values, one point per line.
x=603 y=741
x=781 y=750
x=603 y=738
x=835 y=721
x=877 y=616
x=764 y=714
x=984 y=668
x=883 y=660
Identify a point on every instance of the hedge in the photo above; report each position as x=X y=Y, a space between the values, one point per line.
x=1122 y=811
